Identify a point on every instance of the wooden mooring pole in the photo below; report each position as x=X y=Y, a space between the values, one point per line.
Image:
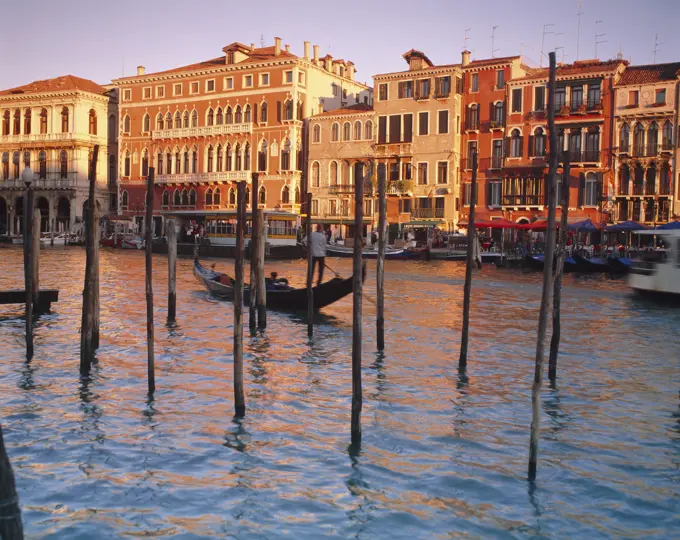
x=148 y=247
x=310 y=268
x=380 y=266
x=357 y=290
x=28 y=262
x=171 y=237
x=467 y=288
x=95 y=277
x=254 y=252
x=259 y=272
x=239 y=395
x=87 y=347
x=557 y=285
x=547 y=277
x=11 y=527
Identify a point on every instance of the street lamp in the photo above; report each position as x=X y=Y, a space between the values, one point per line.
x=27 y=176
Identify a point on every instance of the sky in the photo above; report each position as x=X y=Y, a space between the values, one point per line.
x=102 y=40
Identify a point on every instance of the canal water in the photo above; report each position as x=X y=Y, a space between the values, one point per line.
x=441 y=457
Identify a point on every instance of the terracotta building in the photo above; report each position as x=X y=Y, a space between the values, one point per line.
x=52 y=127
x=646 y=156
x=208 y=125
x=340 y=152
x=417 y=115
x=484 y=118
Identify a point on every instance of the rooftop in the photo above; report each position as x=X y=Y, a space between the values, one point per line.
x=650 y=74
x=350 y=109
x=58 y=84
x=580 y=67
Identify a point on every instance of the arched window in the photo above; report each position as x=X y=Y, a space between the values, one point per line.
x=335 y=132
x=168 y=120
x=232 y=196
x=247 y=115
x=178 y=119
x=653 y=139
x=624 y=138
x=27 y=122
x=16 y=130
x=216 y=197
x=5 y=165
x=285 y=156
x=42 y=164
x=165 y=198
x=498 y=114
x=650 y=179
x=5 y=123
x=262 y=156
x=368 y=130
x=194 y=160
x=238 y=116
x=229 y=116
x=194 y=118
x=185 y=197
x=262 y=196
x=237 y=153
x=333 y=176
x=176 y=198
x=126 y=124
x=316 y=133
x=192 y=197
x=357 y=130
x=185 y=122
x=27 y=158
x=210 y=159
x=285 y=195
x=639 y=140
x=288 y=108
x=178 y=162
x=346 y=131
x=65 y=123
x=515 y=143
x=219 y=158
x=145 y=163
x=246 y=157
x=168 y=161
x=624 y=180
x=159 y=163
x=124 y=200
x=229 y=158
x=15 y=163
x=126 y=167
x=112 y=128
x=316 y=174
x=208 y=197
x=43 y=121
x=473 y=116
x=296 y=200
x=539 y=143
x=667 y=136
x=211 y=117
x=159 y=121
x=146 y=124
x=63 y=163
x=186 y=159
x=263 y=112
x=93 y=122
x=220 y=116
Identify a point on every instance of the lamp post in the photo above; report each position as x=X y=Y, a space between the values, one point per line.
x=27 y=178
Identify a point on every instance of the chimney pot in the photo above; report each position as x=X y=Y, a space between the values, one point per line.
x=306 y=50
x=277 y=46
x=140 y=70
x=466 y=57
x=252 y=46
x=287 y=47
x=316 y=54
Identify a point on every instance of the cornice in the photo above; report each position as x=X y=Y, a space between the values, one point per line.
x=55 y=96
x=419 y=74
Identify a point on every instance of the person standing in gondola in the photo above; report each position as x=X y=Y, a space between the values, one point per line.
x=317 y=243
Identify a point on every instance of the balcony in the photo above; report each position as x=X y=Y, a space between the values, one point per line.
x=50 y=137
x=638 y=188
x=667 y=146
x=491 y=125
x=400 y=187
x=53 y=181
x=338 y=212
x=472 y=125
x=521 y=199
x=341 y=189
x=587 y=156
x=204 y=131
x=427 y=213
x=227 y=176
x=578 y=106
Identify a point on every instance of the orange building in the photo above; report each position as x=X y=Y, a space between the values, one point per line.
x=208 y=125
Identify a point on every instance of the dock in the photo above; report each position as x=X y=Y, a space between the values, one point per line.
x=18 y=296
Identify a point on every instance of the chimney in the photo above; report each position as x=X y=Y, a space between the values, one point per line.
x=277 y=46
x=252 y=46
x=316 y=54
x=329 y=63
x=350 y=71
x=466 y=57
x=140 y=70
x=287 y=47
x=306 y=50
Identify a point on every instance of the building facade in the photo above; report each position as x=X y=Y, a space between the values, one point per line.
x=52 y=127
x=340 y=153
x=206 y=126
x=417 y=114
x=645 y=151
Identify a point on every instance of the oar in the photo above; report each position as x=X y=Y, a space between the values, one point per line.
x=364 y=294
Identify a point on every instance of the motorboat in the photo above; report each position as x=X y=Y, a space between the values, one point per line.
x=658 y=276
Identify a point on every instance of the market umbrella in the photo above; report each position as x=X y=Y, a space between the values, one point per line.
x=538 y=225
x=671 y=225
x=586 y=226
x=627 y=226
x=495 y=224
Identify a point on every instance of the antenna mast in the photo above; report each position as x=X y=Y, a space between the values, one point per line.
x=578 y=26
x=545 y=32
x=465 y=39
x=262 y=40
x=493 y=41
x=656 y=46
x=598 y=36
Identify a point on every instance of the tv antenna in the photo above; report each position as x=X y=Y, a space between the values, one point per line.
x=578 y=26
x=493 y=41
x=465 y=39
x=545 y=33
x=656 y=46
x=557 y=49
x=598 y=41
x=262 y=40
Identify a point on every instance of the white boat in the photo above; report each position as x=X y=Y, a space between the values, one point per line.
x=132 y=243
x=658 y=278
x=18 y=240
x=59 y=240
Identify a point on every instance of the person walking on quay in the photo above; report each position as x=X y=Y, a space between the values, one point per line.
x=317 y=243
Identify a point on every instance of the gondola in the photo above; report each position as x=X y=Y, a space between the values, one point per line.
x=279 y=296
x=619 y=265
x=372 y=253
x=592 y=265
x=536 y=262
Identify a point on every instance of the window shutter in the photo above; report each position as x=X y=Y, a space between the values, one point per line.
x=581 y=188
x=600 y=187
x=506 y=147
x=488 y=194
x=278 y=112
x=531 y=146
x=521 y=145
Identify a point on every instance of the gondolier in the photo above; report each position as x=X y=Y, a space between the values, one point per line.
x=317 y=243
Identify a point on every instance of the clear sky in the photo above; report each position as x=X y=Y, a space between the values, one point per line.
x=94 y=39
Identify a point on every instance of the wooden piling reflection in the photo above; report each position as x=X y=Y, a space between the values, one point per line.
x=254 y=252
x=148 y=247
x=310 y=268
x=11 y=527
x=380 y=266
x=171 y=236
x=239 y=395
x=259 y=272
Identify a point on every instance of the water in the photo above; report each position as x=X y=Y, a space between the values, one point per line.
x=440 y=457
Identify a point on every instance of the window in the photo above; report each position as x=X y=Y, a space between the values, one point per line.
x=210 y=159
x=407 y=171
x=494 y=194
x=192 y=197
x=228 y=83
x=590 y=198
x=500 y=79
x=473 y=117
x=334 y=87
x=316 y=133
x=124 y=200
x=126 y=125
x=17 y=122
x=285 y=195
x=15 y=163
x=422 y=174
x=247 y=81
x=316 y=174
x=246 y=157
x=395 y=128
x=424 y=88
x=382 y=92
x=408 y=128
x=497 y=154
x=219 y=118
x=459 y=85
x=442 y=172
x=126 y=163
x=27 y=122
x=177 y=89
x=168 y=120
x=301 y=77
x=423 y=123
x=210 y=85
x=639 y=140
x=660 y=96
x=515 y=143
x=263 y=113
x=5 y=165
x=264 y=79
x=593 y=144
x=633 y=98
x=368 y=130
x=405 y=206
x=539 y=143
x=237 y=157
x=219 y=158
x=127 y=94
x=539 y=98
x=210 y=117
x=443 y=122
x=575 y=144
x=288 y=77
x=146 y=92
x=346 y=131
x=516 y=100
x=159 y=163
x=405 y=89
x=576 y=97
x=652 y=139
x=42 y=164
x=467 y=194
x=498 y=114
x=145 y=163
x=624 y=138
x=593 y=95
x=262 y=156
x=166 y=198
x=160 y=91
x=193 y=89
x=667 y=136
x=357 y=130
x=146 y=123
x=333 y=175
x=217 y=197
x=5 y=123
x=65 y=123
x=289 y=107
x=194 y=118
x=262 y=196
x=474 y=82
x=382 y=129
x=442 y=87
x=560 y=97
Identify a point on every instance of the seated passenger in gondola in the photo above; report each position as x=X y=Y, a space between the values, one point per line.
x=275 y=282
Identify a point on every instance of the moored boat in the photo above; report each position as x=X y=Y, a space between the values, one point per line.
x=659 y=279
x=372 y=253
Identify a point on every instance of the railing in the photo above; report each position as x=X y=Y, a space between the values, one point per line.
x=41 y=183
x=650 y=188
x=638 y=188
x=624 y=188
x=493 y=124
x=587 y=156
x=427 y=213
x=521 y=200
x=665 y=188
x=624 y=148
x=496 y=162
x=339 y=189
x=338 y=212
x=39 y=137
x=472 y=125
x=667 y=146
x=441 y=95
x=223 y=129
x=226 y=176
x=567 y=107
x=403 y=187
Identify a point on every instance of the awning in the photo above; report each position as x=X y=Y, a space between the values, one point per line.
x=495 y=224
x=670 y=226
x=626 y=226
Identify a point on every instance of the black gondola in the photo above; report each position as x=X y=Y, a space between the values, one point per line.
x=279 y=296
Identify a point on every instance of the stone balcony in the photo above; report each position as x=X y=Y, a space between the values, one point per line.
x=51 y=137
x=203 y=131
x=196 y=178
x=53 y=181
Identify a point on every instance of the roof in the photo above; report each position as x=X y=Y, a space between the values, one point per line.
x=350 y=109
x=418 y=54
x=650 y=74
x=491 y=61
x=581 y=67
x=58 y=84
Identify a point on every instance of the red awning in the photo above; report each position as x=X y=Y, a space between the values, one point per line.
x=495 y=224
